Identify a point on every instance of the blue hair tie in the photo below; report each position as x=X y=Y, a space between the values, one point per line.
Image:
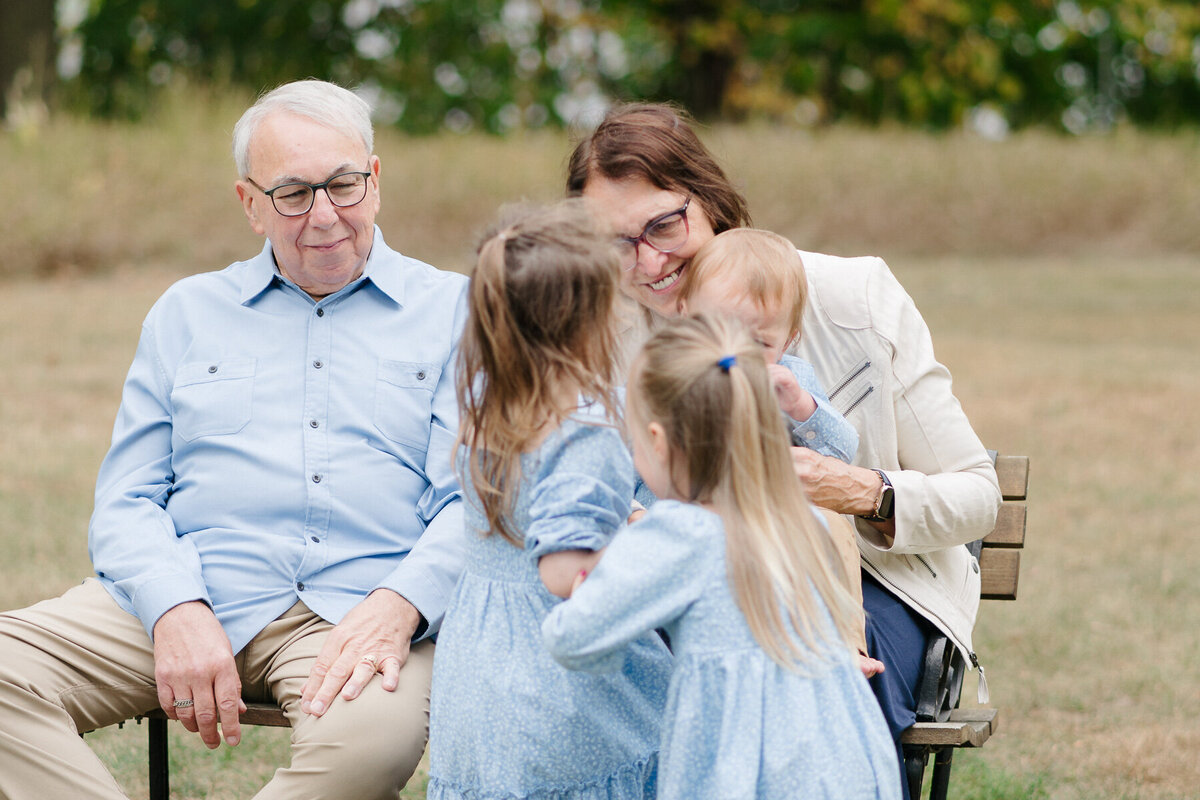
x=726 y=363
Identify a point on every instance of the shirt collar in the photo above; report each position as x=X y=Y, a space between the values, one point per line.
x=384 y=270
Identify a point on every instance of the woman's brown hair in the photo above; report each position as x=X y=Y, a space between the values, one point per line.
x=705 y=381
x=540 y=322
x=657 y=142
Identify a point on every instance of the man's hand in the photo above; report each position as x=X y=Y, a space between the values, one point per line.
x=374 y=637
x=193 y=661
x=794 y=400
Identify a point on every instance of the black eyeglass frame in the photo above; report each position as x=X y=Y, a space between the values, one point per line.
x=314 y=187
x=641 y=237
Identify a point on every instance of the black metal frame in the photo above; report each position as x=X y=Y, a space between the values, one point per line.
x=938 y=693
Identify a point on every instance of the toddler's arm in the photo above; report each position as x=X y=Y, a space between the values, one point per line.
x=823 y=430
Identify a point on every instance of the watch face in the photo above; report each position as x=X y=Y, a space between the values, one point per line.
x=887 y=502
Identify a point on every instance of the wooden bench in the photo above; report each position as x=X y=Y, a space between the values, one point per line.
x=941 y=725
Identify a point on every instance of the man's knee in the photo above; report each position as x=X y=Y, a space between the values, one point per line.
x=367 y=747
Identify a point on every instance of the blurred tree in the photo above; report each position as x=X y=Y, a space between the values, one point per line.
x=26 y=53
x=507 y=64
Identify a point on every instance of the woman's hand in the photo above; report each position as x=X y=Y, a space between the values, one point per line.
x=834 y=484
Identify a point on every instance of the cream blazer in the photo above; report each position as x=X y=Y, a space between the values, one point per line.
x=872 y=351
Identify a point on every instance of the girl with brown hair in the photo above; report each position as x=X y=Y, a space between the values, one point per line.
x=547 y=480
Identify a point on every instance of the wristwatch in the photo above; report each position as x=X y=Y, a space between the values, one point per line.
x=885 y=503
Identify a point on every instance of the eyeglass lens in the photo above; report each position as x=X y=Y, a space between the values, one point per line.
x=294 y=199
x=665 y=234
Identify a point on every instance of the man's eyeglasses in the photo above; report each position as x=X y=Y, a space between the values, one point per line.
x=666 y=233
x=296 y=199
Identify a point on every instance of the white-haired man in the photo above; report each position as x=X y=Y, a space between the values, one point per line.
x=278 y=516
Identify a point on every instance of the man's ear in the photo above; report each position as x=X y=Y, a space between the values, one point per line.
x=250 y=205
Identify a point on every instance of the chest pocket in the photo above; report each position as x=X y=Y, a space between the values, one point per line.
x=212 y=398
x=853 y=388
x=403 y=401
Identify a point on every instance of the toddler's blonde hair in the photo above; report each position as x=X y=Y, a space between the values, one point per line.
x=766 y=265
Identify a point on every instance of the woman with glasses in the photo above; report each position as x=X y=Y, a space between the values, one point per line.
x=921 y=485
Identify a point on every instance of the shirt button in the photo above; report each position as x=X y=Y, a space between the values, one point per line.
x=300 y=586
x=315 y=539
x=810 y=435
x=320 y=312
x=316 y=479
x=318 y=364
x=313 y=423
x=213 y=368
x=421 y=375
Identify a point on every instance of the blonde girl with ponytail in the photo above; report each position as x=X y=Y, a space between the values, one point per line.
x=766 y=698
x=547 y=479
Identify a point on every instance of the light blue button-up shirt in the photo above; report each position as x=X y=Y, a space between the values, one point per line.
x=271 y=448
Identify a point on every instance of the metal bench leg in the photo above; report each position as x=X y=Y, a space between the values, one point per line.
x=939 y=784
x=160 y=777
x=914 y=769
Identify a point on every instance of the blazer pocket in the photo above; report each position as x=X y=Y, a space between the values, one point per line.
x=403 y=401
x=212 y=398
x=854 y=387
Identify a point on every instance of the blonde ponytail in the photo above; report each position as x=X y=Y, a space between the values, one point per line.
x=706 y=382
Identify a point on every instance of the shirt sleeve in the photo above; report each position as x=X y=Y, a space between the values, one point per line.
x=826 y=431
x=583 y=494
x=946 y=491
x=427 y=575
x=650 y=574
x=131 y=539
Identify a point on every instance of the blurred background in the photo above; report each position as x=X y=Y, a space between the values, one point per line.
x=502 y=65
x=1030 y=169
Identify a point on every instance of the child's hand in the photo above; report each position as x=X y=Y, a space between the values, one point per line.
x=795 y=401
x=635 y=515
x=870 y=667
x=582 y=576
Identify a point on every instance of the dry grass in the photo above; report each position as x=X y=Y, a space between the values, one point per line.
x=1062 y=296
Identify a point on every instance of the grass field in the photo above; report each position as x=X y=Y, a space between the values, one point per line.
x=1061 y=280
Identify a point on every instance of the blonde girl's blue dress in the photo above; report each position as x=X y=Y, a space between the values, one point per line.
x=738 y=725
x=506 y=720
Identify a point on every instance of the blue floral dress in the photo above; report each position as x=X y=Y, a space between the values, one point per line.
x=737 y=725
x=506 y=720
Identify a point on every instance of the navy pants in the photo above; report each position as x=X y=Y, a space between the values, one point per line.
x=896 y=635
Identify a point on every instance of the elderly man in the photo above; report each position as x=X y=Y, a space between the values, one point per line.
x=278 y=517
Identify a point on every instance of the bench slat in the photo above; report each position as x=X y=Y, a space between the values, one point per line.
x=999 y=571
x=265 y=714
x=967 y=727
x=1013 y=474
x=256 y=714
x=1010 y=527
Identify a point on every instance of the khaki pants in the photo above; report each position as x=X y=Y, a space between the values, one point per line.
x=78 y=662
x=845 y=542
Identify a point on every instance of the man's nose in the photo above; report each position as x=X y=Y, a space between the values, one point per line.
x=323 y=212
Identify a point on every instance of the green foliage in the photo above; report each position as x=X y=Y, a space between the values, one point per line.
x=502 y=65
